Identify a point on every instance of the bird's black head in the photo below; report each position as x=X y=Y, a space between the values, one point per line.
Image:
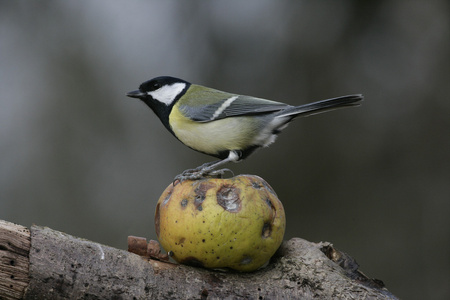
x=160 y=94
x=164 y=89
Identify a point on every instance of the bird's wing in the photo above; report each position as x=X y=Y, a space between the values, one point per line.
x=223 y=105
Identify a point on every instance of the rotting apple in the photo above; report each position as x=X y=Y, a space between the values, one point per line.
x=235 y=223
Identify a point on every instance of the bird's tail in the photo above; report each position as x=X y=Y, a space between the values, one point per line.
x=322 y=106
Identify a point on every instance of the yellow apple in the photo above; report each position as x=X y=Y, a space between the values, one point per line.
x=235 y=223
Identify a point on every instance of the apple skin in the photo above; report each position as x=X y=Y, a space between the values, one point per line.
x=235 y=223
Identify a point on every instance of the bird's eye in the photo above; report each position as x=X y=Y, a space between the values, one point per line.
x=150 y=86
x=155 y=86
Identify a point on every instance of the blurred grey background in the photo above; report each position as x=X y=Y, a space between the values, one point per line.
x=78 y=156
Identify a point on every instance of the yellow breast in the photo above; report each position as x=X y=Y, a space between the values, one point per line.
x=212 y=137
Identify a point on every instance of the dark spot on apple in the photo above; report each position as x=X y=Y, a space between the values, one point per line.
x=256 y=184
x=268 y=202
x=200 y=194
x=184 y=203
x=228 y=198
x=192 y=261
x=167 y=198
x=266 y=230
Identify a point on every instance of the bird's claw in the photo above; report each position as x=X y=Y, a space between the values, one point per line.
x=200 y=173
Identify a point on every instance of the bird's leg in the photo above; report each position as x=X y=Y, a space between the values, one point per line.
x=206 y=165
x=208 y=169
x=205 y=170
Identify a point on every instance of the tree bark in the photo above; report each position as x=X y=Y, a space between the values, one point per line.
x=14 y=262
x=60 y=266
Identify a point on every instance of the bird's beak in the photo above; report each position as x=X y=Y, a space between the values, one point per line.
x=136 y=94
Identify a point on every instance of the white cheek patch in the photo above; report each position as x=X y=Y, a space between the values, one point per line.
x=167 y=93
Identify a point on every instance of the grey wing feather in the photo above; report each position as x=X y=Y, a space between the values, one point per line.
x=233 y=106
x=201 y=113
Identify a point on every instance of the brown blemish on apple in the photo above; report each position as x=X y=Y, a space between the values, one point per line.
x=266 y=230
x=167 y=198
x=228 y=197
x=184 y=203
x=192 y=261
x=200 y=194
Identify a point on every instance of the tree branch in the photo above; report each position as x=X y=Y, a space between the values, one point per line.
x=65 y=267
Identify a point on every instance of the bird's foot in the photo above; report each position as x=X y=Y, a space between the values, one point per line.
x=200 y=173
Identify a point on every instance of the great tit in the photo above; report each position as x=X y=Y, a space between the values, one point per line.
x=224 y=125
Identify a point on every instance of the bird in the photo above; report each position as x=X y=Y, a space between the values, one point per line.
x=224 y=125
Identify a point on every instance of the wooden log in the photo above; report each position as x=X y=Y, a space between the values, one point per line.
x=65 y=267
x=14 y=262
